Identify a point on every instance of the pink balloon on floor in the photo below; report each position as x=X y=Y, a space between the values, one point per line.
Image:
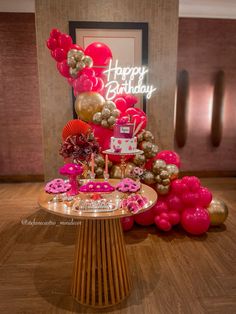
x=205 y=197
x=195 y=220
x=159 y=208
x=145 y=219
x=127 y=223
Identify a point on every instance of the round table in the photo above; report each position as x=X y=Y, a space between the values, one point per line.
x=100 y=277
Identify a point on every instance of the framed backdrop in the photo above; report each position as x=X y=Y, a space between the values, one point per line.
x=128 y=42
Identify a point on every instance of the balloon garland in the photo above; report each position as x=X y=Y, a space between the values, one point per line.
x=181 y=201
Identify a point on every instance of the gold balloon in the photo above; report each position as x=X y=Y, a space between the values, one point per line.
x=158 y=165
x=87 y=61
x=148 y=136
x=164 y=174
x=161 y=189
x=173 y=171
x=99 y=172
x=87 y=104
x=139 y=160
x=218 y=212
x=116 y=170
x=97 y=118
x=148 y=178
x=99 y=160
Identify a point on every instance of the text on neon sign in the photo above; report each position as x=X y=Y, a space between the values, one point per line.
x=126 y=77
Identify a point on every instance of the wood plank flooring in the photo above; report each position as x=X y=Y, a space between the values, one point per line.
x=171 y=273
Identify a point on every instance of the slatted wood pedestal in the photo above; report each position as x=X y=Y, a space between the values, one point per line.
x=101 y=276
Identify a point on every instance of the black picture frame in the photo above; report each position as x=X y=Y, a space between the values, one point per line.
x=73 y=25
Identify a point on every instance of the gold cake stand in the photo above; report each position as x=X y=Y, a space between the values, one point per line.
x=101 y=275
x=123 y=158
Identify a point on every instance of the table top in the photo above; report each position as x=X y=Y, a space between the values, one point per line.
x=65 y=208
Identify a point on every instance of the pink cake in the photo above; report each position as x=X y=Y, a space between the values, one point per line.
x=123 y=140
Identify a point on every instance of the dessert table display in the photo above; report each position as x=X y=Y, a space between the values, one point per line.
x=109 y=139
x=101 y=275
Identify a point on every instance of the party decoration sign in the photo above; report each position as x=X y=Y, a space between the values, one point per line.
x=123 y=81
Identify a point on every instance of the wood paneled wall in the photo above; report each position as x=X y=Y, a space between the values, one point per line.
x=207 y=49
x=20 y=126
x=55 y=94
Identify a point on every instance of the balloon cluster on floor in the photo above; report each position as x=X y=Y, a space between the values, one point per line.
x=180 y=201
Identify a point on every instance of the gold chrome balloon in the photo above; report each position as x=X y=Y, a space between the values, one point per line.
x=87 y=104
x=88 y=62
x=158 y=165
x=218 y=212
x=139 y=160
x=148 y=178
x=173 y=171
x=161 y=189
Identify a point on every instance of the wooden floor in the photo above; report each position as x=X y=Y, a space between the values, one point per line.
x=172 y=273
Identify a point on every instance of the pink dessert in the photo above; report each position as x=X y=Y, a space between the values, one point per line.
x=128 y=185
x=134 y=203
x=57 y=186
x=96 y=187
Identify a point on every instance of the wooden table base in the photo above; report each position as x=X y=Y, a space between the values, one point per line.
x=101 y=277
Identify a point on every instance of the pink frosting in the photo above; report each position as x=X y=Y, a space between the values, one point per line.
x=134 y=202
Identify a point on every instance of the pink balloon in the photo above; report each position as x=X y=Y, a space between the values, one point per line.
x=70 y=80
x=121 y=104
x=99 y=86
x=170 y=157
x=87 y=71
x=77 y=47
x=174 y=217
x=52 y=43
x=103 y=136
x=145 y=219
x=131 y=100
x=196 y=221
x=100 y=53
x=127 y=223
x=174 y=203
x=162 y=224
x=205 y=197
x=87 y=85
x=190 y=199
x=178 y=187
x=65 y=42
x=132 y=111
x=59 y=54
x=192 y=182
x=159 y=208
x=63 y=68
x=55 y=33
x=164 y=216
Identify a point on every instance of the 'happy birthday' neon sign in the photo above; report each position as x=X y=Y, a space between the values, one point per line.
x=126 y=77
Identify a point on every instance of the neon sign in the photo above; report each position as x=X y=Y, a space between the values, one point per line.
x=121 y=80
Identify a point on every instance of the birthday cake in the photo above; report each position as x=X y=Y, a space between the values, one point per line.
x=123 y=140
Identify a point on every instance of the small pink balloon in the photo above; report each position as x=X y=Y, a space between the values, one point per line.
x=77 y=47
x=190 y=199
x=164 y=216
x=99 y=86
x=55 y=33
x=192 y=182
x=70 y=80
x=131 y=100
x=127 y=223
x=120 y=104
x=178 y=187
x=174 y=217
x=87 y=85
x=205 y=197
x=52 y=43
x=159 y=208
x=63 y=68
x=87 y=71
x=170 y=157
x=65 y=42
x=196 y=221
x=174 y=203
x=59 y=54
x=163 y=224
x=145 y=219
